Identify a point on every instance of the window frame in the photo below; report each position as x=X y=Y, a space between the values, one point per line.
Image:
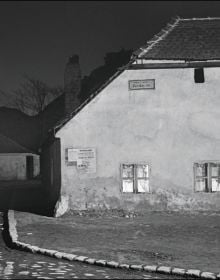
x=135 y=178
x=208 y=177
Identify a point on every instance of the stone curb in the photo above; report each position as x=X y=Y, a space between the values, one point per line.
x=195 y=273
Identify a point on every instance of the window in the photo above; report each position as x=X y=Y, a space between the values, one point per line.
x=207 y=177
x=199 y=75
x=135 y=178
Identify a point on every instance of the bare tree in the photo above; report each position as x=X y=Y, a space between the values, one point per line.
x=33 y=96
x=6 y=99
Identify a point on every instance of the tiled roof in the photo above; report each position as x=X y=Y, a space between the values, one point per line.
x=186 y=39
x=20 y=128
x=8 y=145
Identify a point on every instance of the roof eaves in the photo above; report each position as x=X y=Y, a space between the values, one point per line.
x=177 y=64
x=198 y=19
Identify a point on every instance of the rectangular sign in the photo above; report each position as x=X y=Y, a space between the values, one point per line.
x=141 y=84
x=85 y=159
x=72 y=155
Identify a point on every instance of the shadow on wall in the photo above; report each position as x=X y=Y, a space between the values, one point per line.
x=33 y=199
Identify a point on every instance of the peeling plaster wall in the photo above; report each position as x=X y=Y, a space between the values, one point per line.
x=169 y=127
x=13 y=166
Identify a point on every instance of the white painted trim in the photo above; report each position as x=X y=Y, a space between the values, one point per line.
x=204 y=18
x=141 y=61
x=144 y=61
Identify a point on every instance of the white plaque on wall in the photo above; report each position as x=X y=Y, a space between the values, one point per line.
x=84 y=159
x=72 y=154
x=141 y=84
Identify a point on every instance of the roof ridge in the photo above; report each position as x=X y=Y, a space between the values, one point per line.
x=16 y=143
x=199 y=18
x=158 y=37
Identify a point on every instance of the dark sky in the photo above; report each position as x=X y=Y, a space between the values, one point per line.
x=38 y=37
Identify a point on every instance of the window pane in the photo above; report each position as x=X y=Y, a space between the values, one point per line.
x=200 y=169
x=142 y=171
x=215 y=169
x=127 y=170
x=128 y=186
x=200 y=185
x=143 y=185
x=215 y=184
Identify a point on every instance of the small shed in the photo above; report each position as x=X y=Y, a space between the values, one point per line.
x=17 y=162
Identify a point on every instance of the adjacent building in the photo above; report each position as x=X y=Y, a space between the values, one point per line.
x=149 y=138
x=17 y=163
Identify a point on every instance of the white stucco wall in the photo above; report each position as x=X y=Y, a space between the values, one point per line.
x=13 y=166
x=169 y=127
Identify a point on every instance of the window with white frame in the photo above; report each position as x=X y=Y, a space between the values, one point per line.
x=207 y=176
x=135 y=178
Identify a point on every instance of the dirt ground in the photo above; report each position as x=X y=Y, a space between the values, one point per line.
x=185 y=240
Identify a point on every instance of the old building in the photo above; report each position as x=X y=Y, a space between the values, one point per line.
x=149 y=138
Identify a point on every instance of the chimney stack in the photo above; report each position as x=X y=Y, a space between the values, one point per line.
x=72 y=84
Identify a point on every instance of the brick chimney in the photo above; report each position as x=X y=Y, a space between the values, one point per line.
x=72 y=84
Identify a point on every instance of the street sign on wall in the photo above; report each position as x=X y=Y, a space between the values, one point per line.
x=141 y=84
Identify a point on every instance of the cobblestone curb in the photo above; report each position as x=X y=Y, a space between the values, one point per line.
x=192 y=273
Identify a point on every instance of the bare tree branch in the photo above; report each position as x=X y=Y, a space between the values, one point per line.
x=34 y=95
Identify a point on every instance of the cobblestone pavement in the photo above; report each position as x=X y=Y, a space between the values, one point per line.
x=21 y=265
